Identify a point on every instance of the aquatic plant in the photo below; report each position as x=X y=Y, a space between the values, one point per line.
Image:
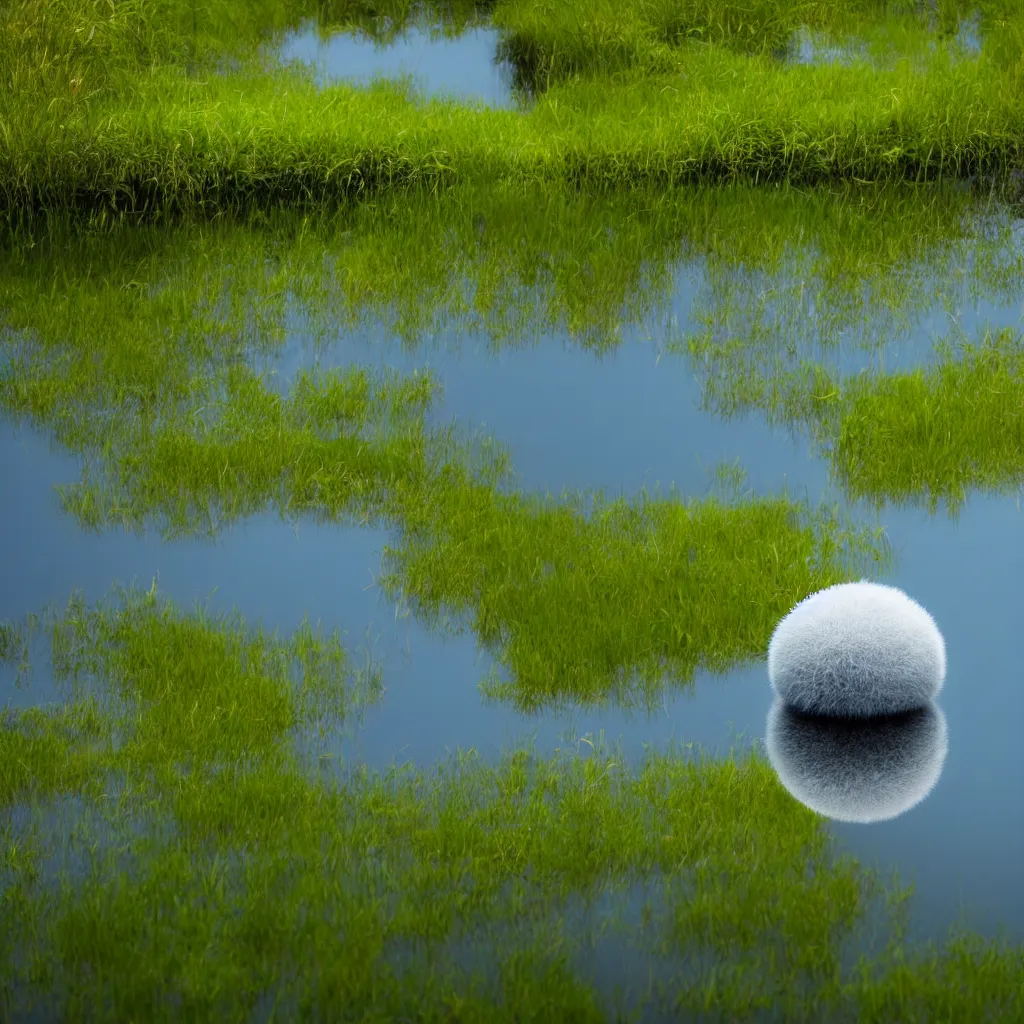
x=857 y=650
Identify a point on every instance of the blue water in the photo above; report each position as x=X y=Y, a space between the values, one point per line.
x=463 y=67
x=575 y=419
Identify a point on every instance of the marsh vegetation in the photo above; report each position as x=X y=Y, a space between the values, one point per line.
x=228 y=290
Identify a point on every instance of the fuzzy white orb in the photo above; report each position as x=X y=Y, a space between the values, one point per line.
x=860 y=771
x=857 y=650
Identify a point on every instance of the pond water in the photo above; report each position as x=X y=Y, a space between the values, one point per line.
x=619 y=420
x=464 y=67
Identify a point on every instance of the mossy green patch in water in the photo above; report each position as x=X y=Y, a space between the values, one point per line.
x=926 y=436
x=936 y=433
x=585 y=598
x=232 y=879
x=191 y=689
x=315 y=451
x=44 y=751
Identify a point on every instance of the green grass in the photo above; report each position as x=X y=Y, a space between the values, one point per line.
x=151 y=352
x=548 y=42
x=929 y=436
x=578 y=597
x=159 y=133
x=660 y=587
x=936 y=434
x=148 y=352
x=508 y=262
x=180 y=839
x=223 y=692
x=586 y=599
x=228 y=871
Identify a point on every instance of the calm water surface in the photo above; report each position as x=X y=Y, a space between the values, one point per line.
x=463 y=67
x=619 y=421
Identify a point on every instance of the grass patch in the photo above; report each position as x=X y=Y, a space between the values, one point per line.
x=169 y=138
x=151 y=351
x=312 y=452
x=927 y=436
x=548 y=42
x=935 y=434
x=233 y=880
x=584 y=598
x=664 y=587
x=188 y=690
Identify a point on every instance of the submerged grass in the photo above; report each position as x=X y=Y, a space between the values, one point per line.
x=234 y=880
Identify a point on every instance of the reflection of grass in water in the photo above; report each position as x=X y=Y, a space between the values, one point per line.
x=142 y=366
x=384 y=21
x=233 y=877
x=578 y=605
x=140 y=309
x=135 y=346
x=266 y=873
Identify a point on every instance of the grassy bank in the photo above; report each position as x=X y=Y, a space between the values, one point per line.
x=142 y=127
x=225 y=875
x=271 y=139
x=548 y=42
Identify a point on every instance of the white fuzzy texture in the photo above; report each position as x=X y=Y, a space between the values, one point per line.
x=857 y=650
x=859 y=771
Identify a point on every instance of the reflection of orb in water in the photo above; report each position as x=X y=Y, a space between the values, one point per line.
x=862 y=770
x=857 y=649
